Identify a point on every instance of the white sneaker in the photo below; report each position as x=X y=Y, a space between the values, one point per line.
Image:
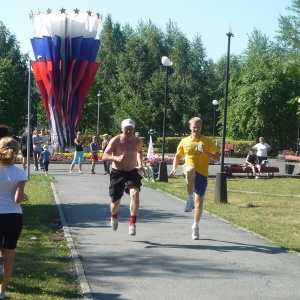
x=256 y=177
x=189 y=205
x=132 y=229
x=114 y=224
x=195 y=233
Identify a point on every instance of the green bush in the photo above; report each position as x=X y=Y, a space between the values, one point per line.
x=171 y=144
x=241 y=148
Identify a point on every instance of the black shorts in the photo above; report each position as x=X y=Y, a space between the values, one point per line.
x=121 y=180
x=10 y=230
x=24 y=152
x=46 y=165
x=261 y=158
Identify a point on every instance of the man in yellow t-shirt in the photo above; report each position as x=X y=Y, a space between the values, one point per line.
x=197 y=150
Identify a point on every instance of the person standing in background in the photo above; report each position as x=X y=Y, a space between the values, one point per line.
x=37 y=142
x=23 y=144
x=262 y=150
x=197 y=150
x=78 y=155
x=12 y=185
x=94 y=147
x=106 y=164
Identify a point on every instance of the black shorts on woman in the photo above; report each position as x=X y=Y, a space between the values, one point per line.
x=11 y=225
x=120 y=181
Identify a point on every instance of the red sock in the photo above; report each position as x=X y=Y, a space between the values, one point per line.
x=115 y=216
x=132 y=220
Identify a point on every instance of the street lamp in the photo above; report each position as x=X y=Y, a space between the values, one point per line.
x=215 y=103
x=298 y=139
x=28 y=119
x=163 y=173
x=98 y=113
x=221 y=184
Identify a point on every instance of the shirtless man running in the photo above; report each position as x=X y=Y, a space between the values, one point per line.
x=125 y=153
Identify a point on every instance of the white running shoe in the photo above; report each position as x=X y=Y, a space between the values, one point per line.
x=132 y=229
x=256 y=177
x=189 y=205
x=195 y=233
x=114 y=224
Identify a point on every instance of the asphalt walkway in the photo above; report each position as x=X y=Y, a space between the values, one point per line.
x=162 y=261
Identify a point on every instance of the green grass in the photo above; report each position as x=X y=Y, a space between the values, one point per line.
x=269 y=207
x=43 y=267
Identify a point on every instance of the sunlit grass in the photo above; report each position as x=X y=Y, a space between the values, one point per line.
x=43 y=267
x=269 y=207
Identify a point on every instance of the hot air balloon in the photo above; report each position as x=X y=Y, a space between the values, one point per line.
x=65 y=51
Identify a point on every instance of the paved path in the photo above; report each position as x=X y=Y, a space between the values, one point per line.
x=162 y=261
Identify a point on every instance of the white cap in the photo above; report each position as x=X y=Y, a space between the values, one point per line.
x=128 y=122
x=45 y=147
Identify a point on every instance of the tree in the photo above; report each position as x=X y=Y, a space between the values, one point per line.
x=13 y=81
x=258 y=98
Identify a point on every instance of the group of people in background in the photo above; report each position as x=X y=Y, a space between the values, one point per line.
x=258 y=157
x=94 y=150
x=38 y=150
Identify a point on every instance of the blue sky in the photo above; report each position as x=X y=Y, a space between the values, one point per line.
x=208 y=18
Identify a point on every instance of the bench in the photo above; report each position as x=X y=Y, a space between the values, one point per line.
x=239 y=169
x=292 y=158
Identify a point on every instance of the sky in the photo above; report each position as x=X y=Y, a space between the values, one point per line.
x=209 y=19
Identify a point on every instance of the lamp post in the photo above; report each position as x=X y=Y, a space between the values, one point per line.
x=298 y=139
x=98 y=113
x=150 y=132
x=221 y=184
x=163 y=173
x=215 y=103
x=28 y=120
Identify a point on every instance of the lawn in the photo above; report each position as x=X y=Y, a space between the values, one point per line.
x=268 y=207
x=43 y=266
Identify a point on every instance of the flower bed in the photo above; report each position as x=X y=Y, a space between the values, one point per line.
x=68 y=157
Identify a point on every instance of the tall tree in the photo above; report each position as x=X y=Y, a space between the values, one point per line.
x=13 y=81
x=258 y=98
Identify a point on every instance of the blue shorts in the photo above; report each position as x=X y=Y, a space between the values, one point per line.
x=200 y=184
x=78 y=156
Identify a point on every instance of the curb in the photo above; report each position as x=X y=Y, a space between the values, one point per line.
x=86 y=291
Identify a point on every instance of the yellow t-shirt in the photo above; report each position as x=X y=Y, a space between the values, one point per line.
x=189 y=148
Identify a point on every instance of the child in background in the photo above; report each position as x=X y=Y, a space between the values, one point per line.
x=45 y=157
x=252 y=162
